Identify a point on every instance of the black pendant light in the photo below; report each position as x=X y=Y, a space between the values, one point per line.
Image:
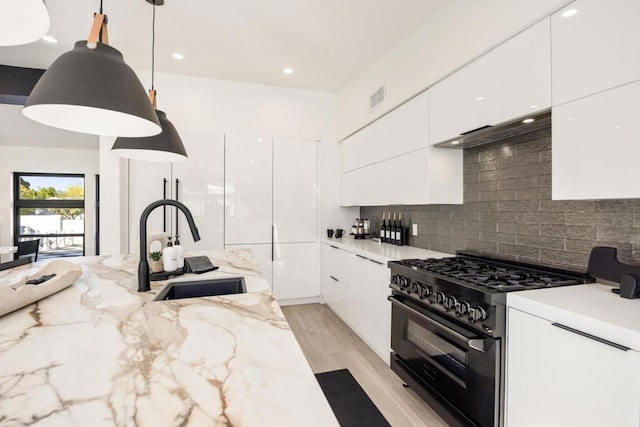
x=90 y=89
x=167 y=146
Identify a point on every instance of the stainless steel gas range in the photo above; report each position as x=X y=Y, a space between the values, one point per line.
x=448 y=329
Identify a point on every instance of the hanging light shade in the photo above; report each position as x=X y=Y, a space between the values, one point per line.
x=90 y=89
x=164 y=147
x=22 y=21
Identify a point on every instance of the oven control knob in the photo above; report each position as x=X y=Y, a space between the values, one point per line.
x=463 y=308
x=451 y=302
x=478 y=314
x=415 y=287
x=404 y=282
x=395 y=279
x=425 y=292
x=441 y=298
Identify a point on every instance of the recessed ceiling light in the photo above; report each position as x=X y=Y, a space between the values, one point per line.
x=528 y=120
x=50 y=39
x=288 y=70
x=570 y=119
x=618 y=127
x=178 y=56
x=456 y=142
x=479 y=98
x=534 y=106
x=569 y=13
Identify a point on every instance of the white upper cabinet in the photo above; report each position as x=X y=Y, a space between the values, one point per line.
x=248 y=189
x=295 y=191
x=352 y=146
x=596 y=146
x=594 y=47
x=201 y=188
x=509 y=82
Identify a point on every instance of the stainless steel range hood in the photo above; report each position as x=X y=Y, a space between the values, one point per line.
x=489 y=134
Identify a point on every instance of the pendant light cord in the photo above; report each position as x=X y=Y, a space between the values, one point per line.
x=153 y=46
x=101 y=7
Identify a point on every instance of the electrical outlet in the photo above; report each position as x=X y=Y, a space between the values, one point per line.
x=414 y=229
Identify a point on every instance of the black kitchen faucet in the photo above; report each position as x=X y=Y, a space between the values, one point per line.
x=143 y=266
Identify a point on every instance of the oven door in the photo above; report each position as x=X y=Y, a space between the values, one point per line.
x=455 y=363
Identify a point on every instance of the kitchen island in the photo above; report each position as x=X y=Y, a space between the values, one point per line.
x=101 y=354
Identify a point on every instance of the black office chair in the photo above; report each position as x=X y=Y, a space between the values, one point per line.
x=27 y=249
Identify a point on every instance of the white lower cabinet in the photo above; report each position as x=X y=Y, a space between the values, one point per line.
x=296 y=270
x=560 y=377
x=356 y=289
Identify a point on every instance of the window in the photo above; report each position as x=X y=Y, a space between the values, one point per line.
x=50 y=207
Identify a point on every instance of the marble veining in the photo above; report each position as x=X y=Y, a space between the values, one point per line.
x=100 y=354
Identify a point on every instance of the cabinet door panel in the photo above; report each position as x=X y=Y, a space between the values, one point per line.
x=510 y=81
x=575 y=380
x=201 y=189
x=595 y=49
x=348 y=187
x=295 y=190
x=296 y=270
x=595 y=146
x=248 y=189
x=378 y=308
x=146 y=186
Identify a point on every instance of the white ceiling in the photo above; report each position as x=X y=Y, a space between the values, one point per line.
x=326 y=42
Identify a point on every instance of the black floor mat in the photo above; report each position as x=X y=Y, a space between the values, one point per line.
x=351 y=405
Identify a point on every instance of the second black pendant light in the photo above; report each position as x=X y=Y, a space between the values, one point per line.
x=167 y=146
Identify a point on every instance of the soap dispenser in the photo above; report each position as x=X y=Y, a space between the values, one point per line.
x=179 y=252
x=170 y=257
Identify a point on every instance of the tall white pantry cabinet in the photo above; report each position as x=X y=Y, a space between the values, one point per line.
x=271 y=206
x=244 y=191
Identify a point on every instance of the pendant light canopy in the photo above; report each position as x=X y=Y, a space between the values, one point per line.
x=22 y=21
x=90 y=89
x=164 y=147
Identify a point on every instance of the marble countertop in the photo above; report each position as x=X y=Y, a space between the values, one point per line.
x=382 y=252
x=99 y=353
x=590 y=308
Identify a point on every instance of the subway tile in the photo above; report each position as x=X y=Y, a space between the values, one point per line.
x=518 y=183
x=482 y=206
x=520 y=159
x=464 y=215
x=533 y=145
x=545 y=180
x=526 y=252
x=618 y=205
x=489 y=236
x=544 y=156
x=534 y=170
x=636 y=220
x=568 y=231
x=487 y=216
x=471 y=156
x=565 y=258
x=614 y=234
x=469 y=178
x=606 y=219
x=551 y=217
x=451 y=208
x=466 y=234
x=495 y=153
x=518 y=205
x=524 y=229
x=478 y=245
x=540 y=241
x=567 y=205
x=447 y=248
x=480 y=225
x=489 y=165
x=533 y=194
x=474 y=187
x=580 y=245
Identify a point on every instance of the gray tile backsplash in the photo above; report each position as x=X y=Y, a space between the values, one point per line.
x=508 y=211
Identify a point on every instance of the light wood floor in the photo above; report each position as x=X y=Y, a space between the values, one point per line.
x=329 y=344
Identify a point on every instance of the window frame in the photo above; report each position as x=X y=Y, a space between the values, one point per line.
x=19 y=204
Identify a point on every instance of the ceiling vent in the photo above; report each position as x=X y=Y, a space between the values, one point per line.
x=377 y=98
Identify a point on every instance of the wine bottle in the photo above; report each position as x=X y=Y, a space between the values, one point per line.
x=399 y=232
x=393 y=230
x=387 y=233
x=383 y=229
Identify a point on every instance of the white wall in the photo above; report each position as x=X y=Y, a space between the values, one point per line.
x=47 y=160
x=232 y=107
x=457 y=34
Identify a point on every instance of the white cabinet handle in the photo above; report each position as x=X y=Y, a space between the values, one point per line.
x=592 y=337
x=334 y=278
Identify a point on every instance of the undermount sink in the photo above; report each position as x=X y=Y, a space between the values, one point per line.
x=202 y=288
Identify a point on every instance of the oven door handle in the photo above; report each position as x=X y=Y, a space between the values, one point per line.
x=476 y=344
